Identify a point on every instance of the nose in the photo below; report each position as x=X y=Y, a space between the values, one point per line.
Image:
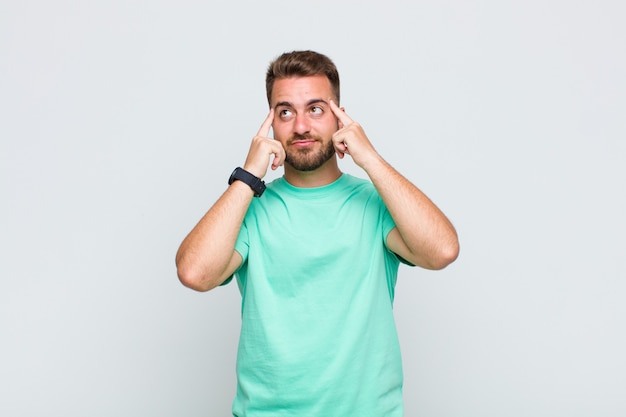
x=302 y=124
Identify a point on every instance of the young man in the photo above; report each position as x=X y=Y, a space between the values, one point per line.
x=316 y=255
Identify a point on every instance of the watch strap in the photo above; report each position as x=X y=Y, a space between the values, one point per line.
x=256 y=183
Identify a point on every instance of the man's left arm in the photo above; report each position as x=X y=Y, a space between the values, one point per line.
x=423 y=235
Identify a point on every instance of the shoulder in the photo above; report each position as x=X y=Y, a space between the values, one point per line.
x=359 y=188
x=273 y=195
x=350 y=182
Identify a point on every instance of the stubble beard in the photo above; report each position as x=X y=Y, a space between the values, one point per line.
x=308 y=159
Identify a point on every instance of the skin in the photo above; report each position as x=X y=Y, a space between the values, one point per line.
x=300 y=108
x=310 y=132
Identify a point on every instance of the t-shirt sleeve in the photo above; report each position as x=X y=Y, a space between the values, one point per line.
x=387 y=222
x=387 y=226
x=241 y=245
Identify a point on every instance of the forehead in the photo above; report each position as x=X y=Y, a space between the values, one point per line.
x=300 y=90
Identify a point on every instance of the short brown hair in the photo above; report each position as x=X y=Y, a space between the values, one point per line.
x=301 y=64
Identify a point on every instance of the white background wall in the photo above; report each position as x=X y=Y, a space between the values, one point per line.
x=120 y=122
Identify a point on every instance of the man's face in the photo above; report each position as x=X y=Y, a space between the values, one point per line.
x=303 y=121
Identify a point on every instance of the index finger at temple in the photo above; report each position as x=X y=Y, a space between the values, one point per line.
x=267 y=124
x=340 y=114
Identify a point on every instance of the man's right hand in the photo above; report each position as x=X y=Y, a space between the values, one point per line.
x=262 y=147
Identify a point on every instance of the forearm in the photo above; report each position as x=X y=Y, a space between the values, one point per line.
x=423 y=235
x=205 y=255
x=429 y=236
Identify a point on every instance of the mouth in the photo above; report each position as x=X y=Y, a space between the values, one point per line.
x=303 y=143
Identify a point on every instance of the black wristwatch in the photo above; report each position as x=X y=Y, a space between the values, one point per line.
x=256 y=183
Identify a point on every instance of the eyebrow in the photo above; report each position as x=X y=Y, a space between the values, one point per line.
x=308 y=103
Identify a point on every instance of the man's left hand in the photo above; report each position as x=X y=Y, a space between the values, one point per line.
x=351 y=139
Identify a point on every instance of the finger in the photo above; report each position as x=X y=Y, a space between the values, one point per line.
x=279 y=156
x=276 y=163
x=340 y=114
x=340 y=149
x=264 y=131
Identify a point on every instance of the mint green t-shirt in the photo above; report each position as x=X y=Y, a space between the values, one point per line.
x=317 y=281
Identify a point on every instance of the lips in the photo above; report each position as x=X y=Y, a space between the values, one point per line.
x=303 y=142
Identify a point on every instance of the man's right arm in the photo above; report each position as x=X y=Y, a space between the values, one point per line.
x=207 y=256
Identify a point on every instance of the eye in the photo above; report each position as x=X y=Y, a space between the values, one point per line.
x=285 y=114
x=317 y=110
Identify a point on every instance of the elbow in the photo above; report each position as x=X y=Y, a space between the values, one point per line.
x=446 y=254
x=450 y=255
x=190 y=277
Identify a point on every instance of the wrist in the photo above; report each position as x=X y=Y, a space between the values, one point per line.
x=252 y=181
x=372 y=163
x=253 y=171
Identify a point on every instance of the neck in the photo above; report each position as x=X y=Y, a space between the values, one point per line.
x=324 y=175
